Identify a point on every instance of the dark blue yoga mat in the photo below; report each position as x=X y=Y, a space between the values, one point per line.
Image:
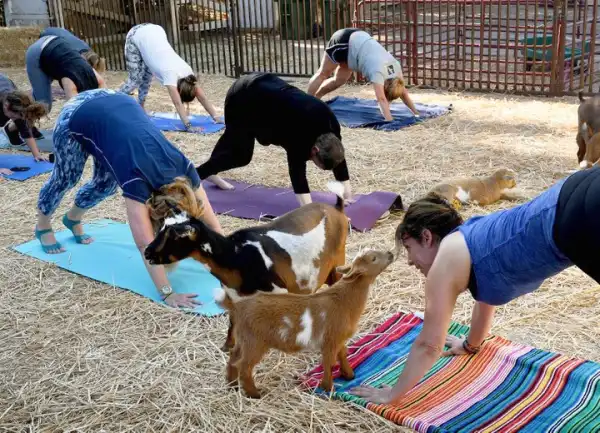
x=8 y=160
x=365 y=113
x=172 y=122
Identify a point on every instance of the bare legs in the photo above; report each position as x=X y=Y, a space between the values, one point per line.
x=322 y=83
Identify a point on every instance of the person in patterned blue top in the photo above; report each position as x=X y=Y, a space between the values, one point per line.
x=497 y=257
x=129 y=153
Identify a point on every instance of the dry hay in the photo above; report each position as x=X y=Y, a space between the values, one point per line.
x=14 y=41
x=76 y=354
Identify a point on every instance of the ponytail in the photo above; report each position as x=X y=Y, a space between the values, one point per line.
x=95 y=61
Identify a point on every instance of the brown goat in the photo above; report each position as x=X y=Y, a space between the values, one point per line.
x=297 y=252
x=291 y=323
x=588 y=124
x=480 y=191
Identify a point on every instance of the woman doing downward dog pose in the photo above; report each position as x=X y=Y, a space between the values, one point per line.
x=19 y=112
x=52 y=58
x=263 y=107
x=128 y=152
x=351 y=50
x=497 y=257
x=95 y=61
x=148 y=52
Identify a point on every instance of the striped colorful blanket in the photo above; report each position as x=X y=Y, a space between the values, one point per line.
x=507 y=387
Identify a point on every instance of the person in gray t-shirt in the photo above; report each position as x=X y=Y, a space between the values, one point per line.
x=353 y=50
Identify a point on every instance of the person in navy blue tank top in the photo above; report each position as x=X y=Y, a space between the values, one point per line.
x=497 y=257
x=129 y=153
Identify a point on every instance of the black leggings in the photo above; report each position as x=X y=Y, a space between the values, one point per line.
x=577 y=223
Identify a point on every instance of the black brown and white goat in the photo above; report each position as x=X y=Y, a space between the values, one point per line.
x=297 y=252
x=291 y=323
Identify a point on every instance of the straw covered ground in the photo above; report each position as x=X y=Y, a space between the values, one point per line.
x=80 y=355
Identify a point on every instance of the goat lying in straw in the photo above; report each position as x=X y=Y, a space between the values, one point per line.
x=298 y=252
x=480 y=191
x=322 y=321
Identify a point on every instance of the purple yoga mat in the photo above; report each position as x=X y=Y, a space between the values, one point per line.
x=261 y=202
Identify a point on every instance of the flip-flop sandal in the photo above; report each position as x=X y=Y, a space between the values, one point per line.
x=70 y=224
x=47 y=248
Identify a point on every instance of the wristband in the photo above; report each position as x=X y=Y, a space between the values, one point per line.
x=470 y=348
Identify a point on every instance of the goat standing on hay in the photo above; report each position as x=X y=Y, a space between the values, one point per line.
x=298 y=252
x=322 y=321
x=480 y=191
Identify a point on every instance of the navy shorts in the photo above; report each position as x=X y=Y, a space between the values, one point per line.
x=337 y=47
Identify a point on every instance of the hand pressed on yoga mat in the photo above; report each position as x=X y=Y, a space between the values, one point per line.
x=182 y=300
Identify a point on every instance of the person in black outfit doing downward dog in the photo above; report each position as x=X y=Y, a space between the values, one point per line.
x=263 y=107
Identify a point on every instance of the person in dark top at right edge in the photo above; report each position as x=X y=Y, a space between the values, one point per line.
x=264 y=107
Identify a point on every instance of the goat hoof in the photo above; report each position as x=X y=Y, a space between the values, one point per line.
x=225 y=348
x=253 y=394
x=326 y=386
x=347 y=375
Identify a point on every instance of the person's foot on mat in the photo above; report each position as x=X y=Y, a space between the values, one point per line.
x=222 y=184
x=77 y=229
x=36 y=133
x=48 y=241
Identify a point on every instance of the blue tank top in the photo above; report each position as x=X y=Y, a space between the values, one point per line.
x=513 y=251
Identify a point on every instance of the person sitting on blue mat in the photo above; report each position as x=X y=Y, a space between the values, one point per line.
x=52 y=58
x=95 y=61
x=263 y=107
x=128 y=152
x=353 y=50
x=497 y=257
x=18 y=113
x=147 y=53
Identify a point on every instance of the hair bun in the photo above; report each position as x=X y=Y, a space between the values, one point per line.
x=191 y=79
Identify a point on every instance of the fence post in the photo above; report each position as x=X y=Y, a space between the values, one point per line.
x=237 y=51
x=558 y=49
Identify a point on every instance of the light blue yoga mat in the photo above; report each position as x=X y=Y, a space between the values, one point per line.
x=114 y=259
x=172 y=122
x=9 y=160
x=44 y=144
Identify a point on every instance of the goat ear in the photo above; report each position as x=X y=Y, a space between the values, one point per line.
x=355 y=271
x=185 y=231
x=343 y=269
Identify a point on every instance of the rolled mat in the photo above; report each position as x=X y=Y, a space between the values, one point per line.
x=260 y=202
x=114 y=259
x=365 y=113
x=506 y=387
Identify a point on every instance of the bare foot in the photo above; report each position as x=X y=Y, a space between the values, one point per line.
x=220 y=182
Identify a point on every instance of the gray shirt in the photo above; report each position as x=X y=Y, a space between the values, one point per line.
x=370 y=59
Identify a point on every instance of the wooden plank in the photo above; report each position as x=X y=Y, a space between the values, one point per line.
x=96 y=12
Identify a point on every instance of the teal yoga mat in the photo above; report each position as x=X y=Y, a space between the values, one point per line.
x=114 y=259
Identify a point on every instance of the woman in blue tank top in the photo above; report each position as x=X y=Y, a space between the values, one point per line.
x=129 y=153
x=497 y=257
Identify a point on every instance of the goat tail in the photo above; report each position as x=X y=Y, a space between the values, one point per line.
x=225 y=297
x=580 y=95
x=338 y=189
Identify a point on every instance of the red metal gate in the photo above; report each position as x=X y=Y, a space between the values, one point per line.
x=520 y=46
